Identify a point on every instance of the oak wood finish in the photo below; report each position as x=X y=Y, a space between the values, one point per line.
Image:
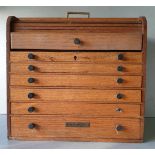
x=20 y=94
x=73 y=108
x=77 y=68
x=86 y=57
x=65 y=41
x=55 y=127
x=76 y=84
x=75 y=80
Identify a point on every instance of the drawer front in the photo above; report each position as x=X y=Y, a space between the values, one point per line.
x=49 y=126
x=119 y=69
x=88 y=109
x=76 y=41
x=75 y=80
x=90 y=57
x=91 y=95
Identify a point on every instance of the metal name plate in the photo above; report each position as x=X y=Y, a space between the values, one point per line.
x=77 y=124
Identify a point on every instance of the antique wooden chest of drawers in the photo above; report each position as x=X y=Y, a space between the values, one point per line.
x=80 y=79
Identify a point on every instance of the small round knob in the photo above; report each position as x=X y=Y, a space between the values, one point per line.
x=31 y=56
x=31 y=95
x=120 y=80
x=119 y=110
x=31 y=126
x=120 y=68
x=31 y=68
x=77 y=41
x=119 y=96
x=75 y=57
x=120 y=56
x=31 y=80
x=119 y=127
x=31 y=109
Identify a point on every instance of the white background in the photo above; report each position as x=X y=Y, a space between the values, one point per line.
x=103 y=11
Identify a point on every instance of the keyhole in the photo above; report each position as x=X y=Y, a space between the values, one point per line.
x=75 y=57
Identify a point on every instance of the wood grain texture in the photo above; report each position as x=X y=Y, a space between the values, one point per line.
x=79 y=28
x=144 y=30
x=65 y=41
x=77 y=109
x=75 y=81
x=67 y=21
x=9 y=27
x=20 y=94
x=49 y=127
x=77 y=68
x=87 y=57
x=84 y=139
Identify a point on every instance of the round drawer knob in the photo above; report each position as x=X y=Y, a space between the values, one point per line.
x=31 y=95
x=31 y=56
x=31 y=68
x=31 y=126
x=120 y=56
x=119 y=127
x=31 y=109
x=120 y=68
x=120 y=80
x=119 y=96
x=31 y=80
x=119 y=110
x=77 y=41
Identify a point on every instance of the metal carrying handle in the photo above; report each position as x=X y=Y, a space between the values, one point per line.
x=78 y=13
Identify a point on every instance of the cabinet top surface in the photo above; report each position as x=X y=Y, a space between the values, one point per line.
x=81 y=20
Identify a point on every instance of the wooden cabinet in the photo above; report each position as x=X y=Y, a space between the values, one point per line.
x=79 y=79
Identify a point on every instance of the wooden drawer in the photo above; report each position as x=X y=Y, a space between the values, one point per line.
x=91 y=95
x=75 y=80
x=77 y=68
x=76 y=41
x=88 y=57
x=88 y=109
x=74 y=127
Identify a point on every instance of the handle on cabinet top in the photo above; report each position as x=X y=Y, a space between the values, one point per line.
x=78 y=13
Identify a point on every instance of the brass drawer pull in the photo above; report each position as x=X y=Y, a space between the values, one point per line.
x=119 y=110
x=77 y=124
x=78 y=13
